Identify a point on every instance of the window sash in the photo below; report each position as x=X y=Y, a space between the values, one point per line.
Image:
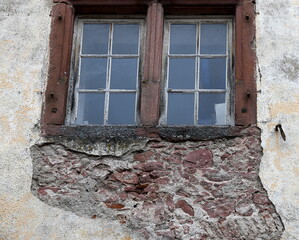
x=229 y=90
x=75 y=90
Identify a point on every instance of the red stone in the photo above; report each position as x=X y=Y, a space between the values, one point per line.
x=115 y=205
x=145 y=178
x=215 y=176
x=244 y=208
x=126 y=177
x=150 y=188
x=206 y=185
x=201 y=158
x=143 y=157
x=182 y=204
x=217 y=193
x=164 y=180
x=219 y=208
x=261 y=199
x=182 y=193
x=170 y=203
x=158 y=146
x=43 y=190
x=180 y=148
x=157 y=174
x=130 y=189
x=225 y=156
x=148 y=167
x=150 y=133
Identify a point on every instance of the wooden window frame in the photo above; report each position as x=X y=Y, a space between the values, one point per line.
x=73 y=101
x=62 y=26
x=228 y=91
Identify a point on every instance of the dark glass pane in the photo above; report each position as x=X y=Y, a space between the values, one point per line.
x=93 y=73
x=90 y=108
x=212 y=109
x=182 y=73
x=213 y=38
x=125 y=38
x=182 y=38
x=122 y=109
x=180 y=109
x=123 y=73
x=212 y=73
x=95 y=38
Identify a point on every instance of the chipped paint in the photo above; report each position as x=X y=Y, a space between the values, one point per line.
x=290 y=107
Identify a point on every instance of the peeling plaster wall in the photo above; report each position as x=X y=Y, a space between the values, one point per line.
x=24 y=33
x=278 y=102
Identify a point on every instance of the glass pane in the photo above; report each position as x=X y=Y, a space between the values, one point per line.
x=125 y=38
x=95 y=38
x=213 y=38
x=212 y=109
x=93 y=73
x=212 y=73
x=122 y=108
x=182 y=73
x=180 y=109
x=182 y=38
x=123 y=73
x=90 y=108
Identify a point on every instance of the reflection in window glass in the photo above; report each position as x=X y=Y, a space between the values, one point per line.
x=107 y=85
x=124 y=73
x=212 y=109
x=198 y=62
x=183 y=38
x=180 y=109
x=95 y=38
x=181 y=73
x=212 y=73
x=122 y=109
x=125 y=39
x=213 y=38
x=93 y=73
x=91 y=108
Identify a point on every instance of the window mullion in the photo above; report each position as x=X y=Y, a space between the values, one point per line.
x=197 y=74
x=150 y=85
x=108 y=77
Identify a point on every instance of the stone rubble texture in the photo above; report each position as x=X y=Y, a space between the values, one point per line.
x=29 y=211
x=164 y=190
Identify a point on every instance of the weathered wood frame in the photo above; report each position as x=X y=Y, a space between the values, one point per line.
x=63 y=14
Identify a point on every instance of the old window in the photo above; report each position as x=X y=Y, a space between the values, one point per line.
x=196 y=84
x=107 y=66
x=202 y=74
x=198 y=72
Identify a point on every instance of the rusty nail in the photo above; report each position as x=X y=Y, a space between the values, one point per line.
x=248 y=94
x=54 y=110
x=279 y=127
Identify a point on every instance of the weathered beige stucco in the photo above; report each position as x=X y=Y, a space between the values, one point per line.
x=24 y=32
x=278 y=102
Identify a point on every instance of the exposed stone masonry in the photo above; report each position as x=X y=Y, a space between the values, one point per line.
x=190 y=190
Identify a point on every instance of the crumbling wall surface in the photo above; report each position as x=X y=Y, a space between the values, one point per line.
x=278 y=103
x=162 y=190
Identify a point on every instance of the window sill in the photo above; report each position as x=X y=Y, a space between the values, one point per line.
x=129 y=133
